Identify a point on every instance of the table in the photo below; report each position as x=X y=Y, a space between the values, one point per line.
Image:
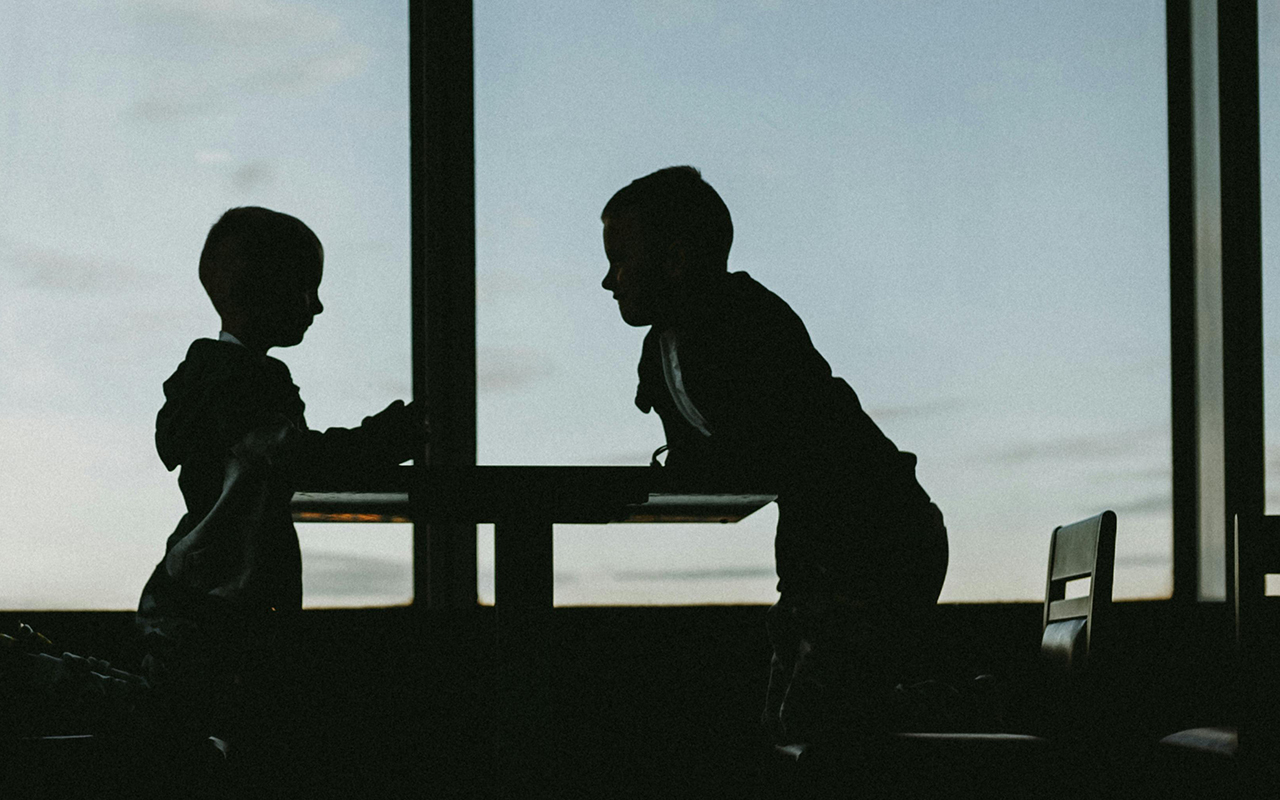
x=524 y=504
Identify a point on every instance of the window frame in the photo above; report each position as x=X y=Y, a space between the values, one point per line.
x=1215 y=230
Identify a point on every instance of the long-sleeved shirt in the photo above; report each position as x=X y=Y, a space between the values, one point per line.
x=743 y=393
x=233 y=423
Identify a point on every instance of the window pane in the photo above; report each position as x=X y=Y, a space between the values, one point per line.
x=125 y=131
x=356 y=564
x=1269 y=133
x=966 y=203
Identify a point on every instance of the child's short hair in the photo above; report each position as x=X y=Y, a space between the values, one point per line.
x=676 y=204
x=249 y=246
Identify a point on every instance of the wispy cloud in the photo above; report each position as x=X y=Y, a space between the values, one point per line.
x=310 y=74
x=175 y=102
x=1159 y=501
x=925 y=409
x=242 y=176
x=348 y=575
x=1098 y=445
x=57 y=271
x=503 y=369
x=243 y=21
x=223 y=49
x=253 y=175
x=1147 y=472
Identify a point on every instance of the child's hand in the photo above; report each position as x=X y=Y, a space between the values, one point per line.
x=417 y=413
x=400 y=429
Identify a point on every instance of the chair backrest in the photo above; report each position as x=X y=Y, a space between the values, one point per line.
x=1085 y=549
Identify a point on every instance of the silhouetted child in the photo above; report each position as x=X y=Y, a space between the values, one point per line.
x=861 y=551
x=233 y=421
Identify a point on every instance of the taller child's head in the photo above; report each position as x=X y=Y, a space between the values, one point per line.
x=665 y=235
x=262 y=271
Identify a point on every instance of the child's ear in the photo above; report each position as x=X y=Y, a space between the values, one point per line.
x=676 y=264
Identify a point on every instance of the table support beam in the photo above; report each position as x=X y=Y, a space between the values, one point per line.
x=526 y=734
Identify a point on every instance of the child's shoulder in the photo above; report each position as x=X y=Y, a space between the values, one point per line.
x=746 y=295
x=213 y=359
x=745 y=312
x=207 y=353
x=217 y=374
x=220 y=391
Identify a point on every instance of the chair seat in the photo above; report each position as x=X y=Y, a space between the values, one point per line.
x=929 y=765
x=1197 y=763
x=81 y=740
x=1220 y=742
x=64 y=749
x=975 y=739
x=921 y=743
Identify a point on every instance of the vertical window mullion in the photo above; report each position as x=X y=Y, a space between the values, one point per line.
x=444 y=356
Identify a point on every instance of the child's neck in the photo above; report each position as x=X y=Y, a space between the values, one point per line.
x=237 y=335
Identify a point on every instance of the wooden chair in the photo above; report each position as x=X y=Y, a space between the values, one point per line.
x=1082 y=551
x=927 y=764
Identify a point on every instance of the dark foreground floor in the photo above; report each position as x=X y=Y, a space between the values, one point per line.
x=649 y=702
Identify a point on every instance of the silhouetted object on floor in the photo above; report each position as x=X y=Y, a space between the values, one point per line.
x=215 y=606
x=79 y=727
x=743 y=395
x=44 y=692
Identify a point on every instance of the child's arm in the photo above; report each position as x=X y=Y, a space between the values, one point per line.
x=390 y=437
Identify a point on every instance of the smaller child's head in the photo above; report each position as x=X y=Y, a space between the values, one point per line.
x=262 y=271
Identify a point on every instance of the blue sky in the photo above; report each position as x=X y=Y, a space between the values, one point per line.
x=966 y=202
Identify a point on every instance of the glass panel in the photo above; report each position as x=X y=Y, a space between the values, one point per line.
x=125 y=131
x=1269 y=133
x=347 y=564
x=966 y=203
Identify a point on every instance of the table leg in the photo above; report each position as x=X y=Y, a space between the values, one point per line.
x=523 y=585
